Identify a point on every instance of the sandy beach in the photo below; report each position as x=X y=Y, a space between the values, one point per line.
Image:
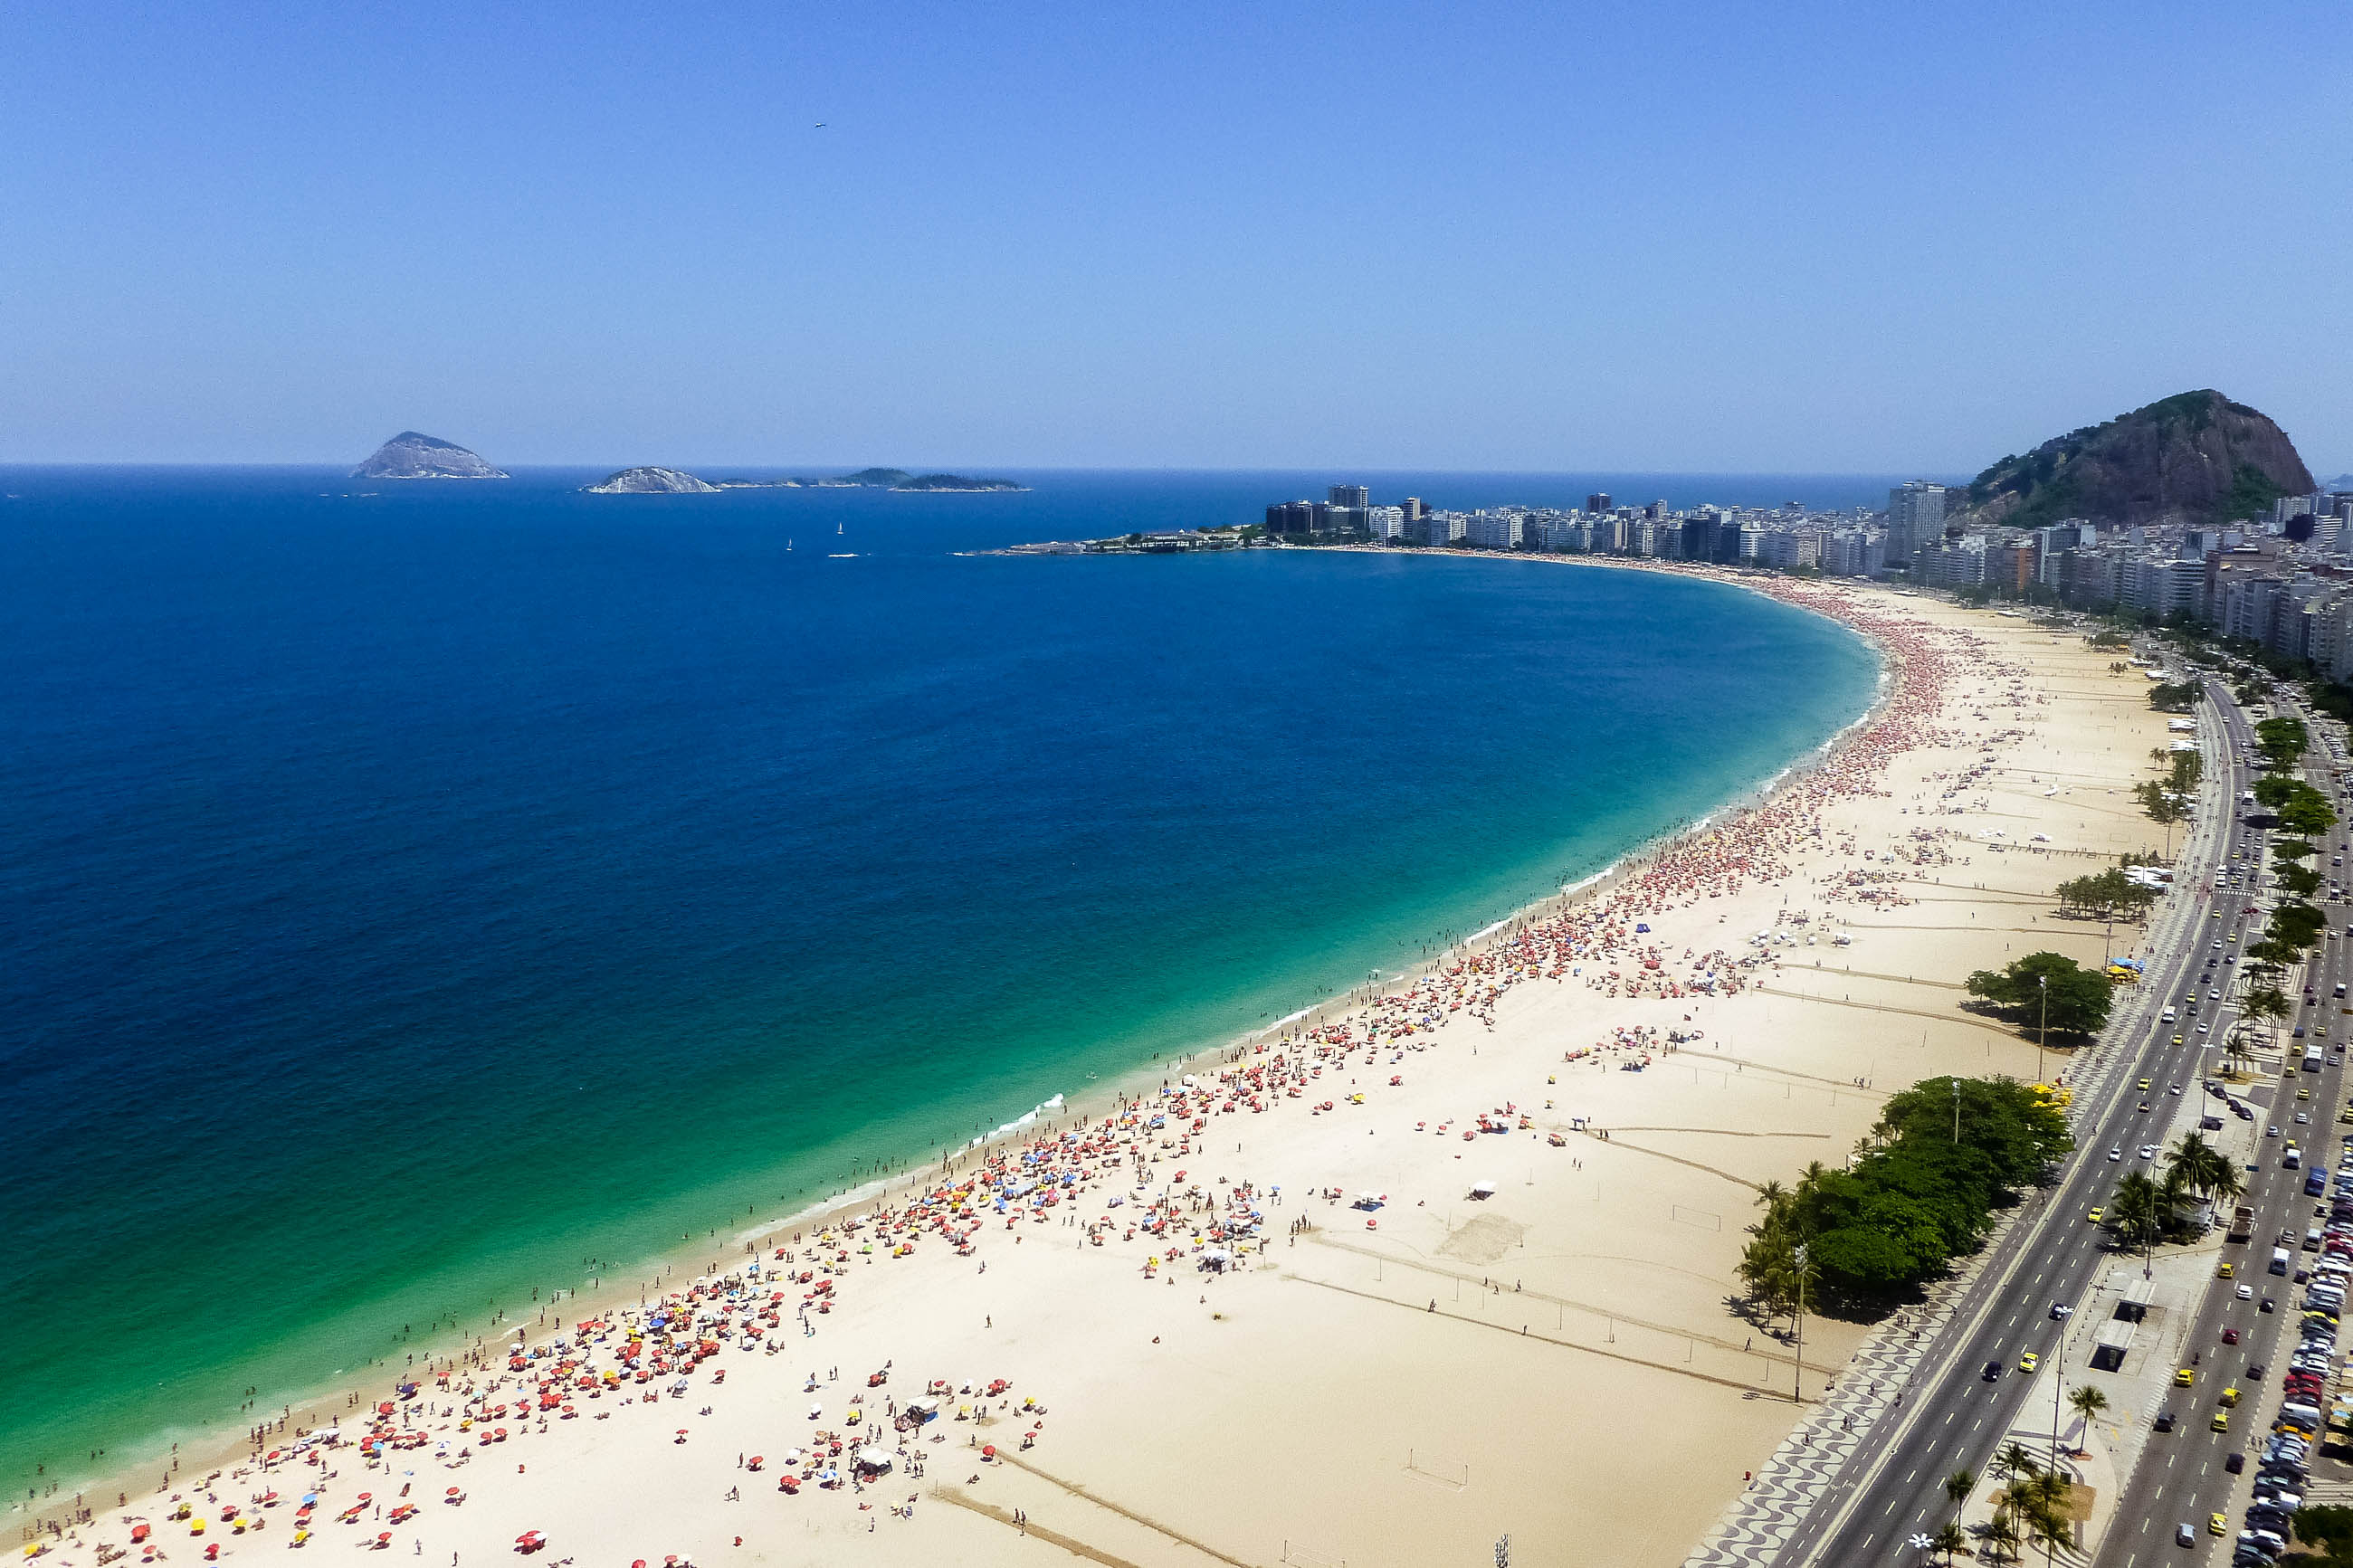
x=1423 y=1270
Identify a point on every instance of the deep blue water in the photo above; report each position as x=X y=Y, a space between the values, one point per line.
x=408 y=898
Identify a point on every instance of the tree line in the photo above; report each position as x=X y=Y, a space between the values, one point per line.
x=1921 y=1190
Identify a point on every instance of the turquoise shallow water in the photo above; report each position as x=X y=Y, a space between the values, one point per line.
x=409 y=900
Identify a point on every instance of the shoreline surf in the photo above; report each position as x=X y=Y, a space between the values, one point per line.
x=665 y=1266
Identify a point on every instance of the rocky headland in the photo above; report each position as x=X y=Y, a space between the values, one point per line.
x=2194 y=458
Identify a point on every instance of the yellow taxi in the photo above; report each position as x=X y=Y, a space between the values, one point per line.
x=2221 y=1422
x=2098 y=1214
x=2304 y=1093
x=2217 y=1525
x=2183 y=1377
x=2145 y=1083
x=2230 y=1398
x=2177 y=1040
x=2228 y=1271
x=2029 y=1362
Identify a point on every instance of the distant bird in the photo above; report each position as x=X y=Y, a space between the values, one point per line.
x=819 y=126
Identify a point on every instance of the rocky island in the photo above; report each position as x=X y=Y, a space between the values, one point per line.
x=877 y=479
x=650 y=482
x=411 y=455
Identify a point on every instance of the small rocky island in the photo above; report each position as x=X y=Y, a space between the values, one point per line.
x=878 y=479
x=650 y=482
x=675 y=482
x=412 y=454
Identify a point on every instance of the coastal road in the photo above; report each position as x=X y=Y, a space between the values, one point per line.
x=2180 y=1479
x=1951 y=1416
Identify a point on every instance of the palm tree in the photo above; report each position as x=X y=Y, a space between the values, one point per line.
x=2000 y=1537
x=2088 y=1402
x=1957 y=1488
x=2012 y=1462
x=2138 y=1209
x=2047 y=1521
x=2235 y=1049
x=1948 y=1540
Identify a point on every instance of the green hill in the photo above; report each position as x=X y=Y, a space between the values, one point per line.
x=2195 y=458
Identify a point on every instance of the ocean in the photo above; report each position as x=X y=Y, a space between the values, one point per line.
x=416 y=899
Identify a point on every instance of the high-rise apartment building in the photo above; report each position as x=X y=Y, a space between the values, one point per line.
x=1598 y=502
x=1916 y=517
x=1349 y=496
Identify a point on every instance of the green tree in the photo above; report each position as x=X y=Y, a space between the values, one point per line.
x=2281 y=741
x=2103 y=895
x=2137 y=1210
x=2079 y=997
x=2162 y=807
x=1957 y=1488
x=2088 y=1402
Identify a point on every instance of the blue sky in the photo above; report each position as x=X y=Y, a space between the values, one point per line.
x=1663 y=236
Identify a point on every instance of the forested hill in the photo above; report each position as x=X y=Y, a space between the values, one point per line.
x=2195 y=458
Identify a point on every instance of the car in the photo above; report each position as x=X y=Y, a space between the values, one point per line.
x=2246 y=1292
x=2229 y=1397
x=2229 y=1336
x=2226 y=1271
x=2176 y=1040
x=2175 y=1090
x=2305 y=1093
x=2267 y=1305
x=2029 y=1362
x=2302 y=1117
x=2098 y=1214
x=2116 y=1152
x=2060 y=1311
x=2143 y=1084
x=2236 y=1463
x=2165 y=1420
x=2148 y=1150
x=1992 y=1371
x=2143 y=1106
x=2183 y=1377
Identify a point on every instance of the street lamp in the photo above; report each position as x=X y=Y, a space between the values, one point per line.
x=2043 y=1035
x=1798 y=1372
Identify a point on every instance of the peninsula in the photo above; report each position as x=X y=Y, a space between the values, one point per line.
x=412 y=454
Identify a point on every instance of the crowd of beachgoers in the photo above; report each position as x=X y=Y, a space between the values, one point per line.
x=1134 y=1175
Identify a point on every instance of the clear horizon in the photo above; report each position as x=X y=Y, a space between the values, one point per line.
x=1698 y=239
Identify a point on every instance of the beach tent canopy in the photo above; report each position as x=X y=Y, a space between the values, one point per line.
x=874 y=1458
x=1482 y=1189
